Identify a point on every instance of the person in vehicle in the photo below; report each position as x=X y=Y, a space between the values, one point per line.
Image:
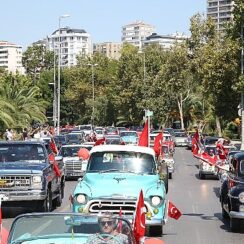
x=108 y=232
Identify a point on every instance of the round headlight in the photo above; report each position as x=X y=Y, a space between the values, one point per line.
x=155 y=200
x=37 y=179
x=241 y=197
x=81 y=199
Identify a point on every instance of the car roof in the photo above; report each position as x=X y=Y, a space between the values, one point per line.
x=124 y=148
x=28 y=142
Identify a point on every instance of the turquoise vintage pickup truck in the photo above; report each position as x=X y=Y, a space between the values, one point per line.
x=115 y=175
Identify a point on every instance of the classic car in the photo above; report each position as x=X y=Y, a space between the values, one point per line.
x=115 y=175
x=129 y=137
x=232 y=192
x=74 y=165
x=180 y=139
x=28 y=177
x=71 y=228
x=206 y=168
x=167 y=157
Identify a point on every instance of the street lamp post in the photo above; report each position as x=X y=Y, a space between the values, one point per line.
x=59 y=66
x=242 y=102
x=93 y=92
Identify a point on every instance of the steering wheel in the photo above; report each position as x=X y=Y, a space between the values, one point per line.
x=102 y=236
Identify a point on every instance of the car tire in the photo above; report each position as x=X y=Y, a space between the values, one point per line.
x=225 y=215
x=170 y=176
x=58 y=199
x=234 y=225
x=201 y=175
x=156 y=231
x=47 y=204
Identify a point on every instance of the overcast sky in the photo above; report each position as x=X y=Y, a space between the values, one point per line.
x=25 y=21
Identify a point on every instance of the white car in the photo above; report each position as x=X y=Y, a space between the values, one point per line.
x=74 y=165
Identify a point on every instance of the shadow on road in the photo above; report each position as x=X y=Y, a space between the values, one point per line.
x=216 y=191
x=14 y=212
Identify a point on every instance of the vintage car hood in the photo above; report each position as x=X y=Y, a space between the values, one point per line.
x=21 y=167
x=118 y=184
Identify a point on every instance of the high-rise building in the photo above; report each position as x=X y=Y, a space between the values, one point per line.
x=11 y=57
x=220 y=11
x=73 y=42
x=136 y=32
x=109 y=49
x=165 y=41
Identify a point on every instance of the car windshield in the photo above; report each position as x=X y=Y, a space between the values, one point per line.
x=165 y=149
x=73 y=136
x=68 y=228
x=122 y=161
x=113 y=140
x=211 y=150
x=85 y=127
x=128 y=133
x=180 y=134
x=69 y=151
x=32 y=153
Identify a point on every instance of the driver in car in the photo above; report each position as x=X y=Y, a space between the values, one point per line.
x=108 y=232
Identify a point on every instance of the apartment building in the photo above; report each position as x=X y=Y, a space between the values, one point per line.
x=220 y=11
x=109 y=49
x=11 y=57
x=136 y=32
x=165 y=41
x=73 y=42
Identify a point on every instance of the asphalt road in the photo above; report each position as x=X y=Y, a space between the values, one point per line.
x=201 y=222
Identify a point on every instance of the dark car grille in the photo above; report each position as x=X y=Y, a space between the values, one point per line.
x=114 y=206
x=8 y=182
x=73 y=165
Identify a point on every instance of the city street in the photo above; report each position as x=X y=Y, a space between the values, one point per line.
x=201 y=222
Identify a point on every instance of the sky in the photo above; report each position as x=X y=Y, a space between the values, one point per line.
x=25 y=21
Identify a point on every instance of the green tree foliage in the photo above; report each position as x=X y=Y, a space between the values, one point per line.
x=37 y=59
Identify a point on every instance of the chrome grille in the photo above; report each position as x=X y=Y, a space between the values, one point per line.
x=73 y=165
x=114 y=206
x=15 y=181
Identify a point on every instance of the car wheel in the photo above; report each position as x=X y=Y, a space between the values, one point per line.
x=170 y=175
x=201 y=175
x=156 y=230
x=47 y=204
x=58 y=199
x=225 y=215
x=234 y=224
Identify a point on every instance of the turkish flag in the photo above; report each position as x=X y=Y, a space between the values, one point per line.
x=173 y=211
x=140 y=219
x=194 y=146
x=55 y=165
x=53 y=146
x=196 y=136
x=158 y=144
x=99 y=142
x=143 y=140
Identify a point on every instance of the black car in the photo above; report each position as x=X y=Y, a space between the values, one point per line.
x=27 y=176
x=232 y=192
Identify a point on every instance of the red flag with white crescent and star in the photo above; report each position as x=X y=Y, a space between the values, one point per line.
x=140 y=219
x=173 y=211
x=158 y=144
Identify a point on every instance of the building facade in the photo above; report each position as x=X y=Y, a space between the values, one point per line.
x=109 y=49
x=11 y=57
x=165 y=41
x=220 y=11
x=136 y=32
x=73 y=42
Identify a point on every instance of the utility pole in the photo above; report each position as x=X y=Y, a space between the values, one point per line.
x=242 y=102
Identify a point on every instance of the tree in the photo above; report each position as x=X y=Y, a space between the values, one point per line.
x=36 y=59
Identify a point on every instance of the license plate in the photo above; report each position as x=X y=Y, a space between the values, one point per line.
x=241 y=208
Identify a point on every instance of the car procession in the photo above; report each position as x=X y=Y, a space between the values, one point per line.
x=111 y=178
